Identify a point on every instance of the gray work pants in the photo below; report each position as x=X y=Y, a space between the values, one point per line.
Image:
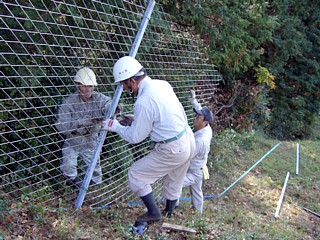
x=194 y=181
x=70 y=163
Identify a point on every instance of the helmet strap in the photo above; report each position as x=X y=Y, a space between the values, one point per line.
x=131 y=90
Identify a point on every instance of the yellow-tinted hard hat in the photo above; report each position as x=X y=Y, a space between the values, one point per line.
x=86 y=77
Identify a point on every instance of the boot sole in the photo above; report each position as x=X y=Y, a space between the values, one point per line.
x=149 y=221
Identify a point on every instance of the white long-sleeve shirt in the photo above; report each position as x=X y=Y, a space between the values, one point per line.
x=203 y=141
x=158 y=113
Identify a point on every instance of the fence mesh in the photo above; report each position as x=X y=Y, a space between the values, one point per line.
x=43 y=43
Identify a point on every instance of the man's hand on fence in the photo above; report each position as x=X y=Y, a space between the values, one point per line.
x=85 y=122
x=192 y=97
x=110 y=125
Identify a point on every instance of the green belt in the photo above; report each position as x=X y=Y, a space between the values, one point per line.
x=174 y=138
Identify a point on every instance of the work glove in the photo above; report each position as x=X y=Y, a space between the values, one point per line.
x=97 y=120
x=85 y=122
x=192 y=97
x=110 y=125
x=125 y=120
x=205 y=172
x=80 y=131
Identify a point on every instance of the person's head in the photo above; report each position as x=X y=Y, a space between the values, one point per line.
x=129 y=72
x=86 y=81
x=202 y=118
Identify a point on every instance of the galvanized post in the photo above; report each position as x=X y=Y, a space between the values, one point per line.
x=110 y=113
x=298 y=160
x=248 y=170
x=282 y=195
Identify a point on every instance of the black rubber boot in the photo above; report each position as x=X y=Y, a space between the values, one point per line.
x=153 y=213
x=170 y=206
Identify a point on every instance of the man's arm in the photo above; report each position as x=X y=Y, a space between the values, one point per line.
x=193 y=100
x=67 y=125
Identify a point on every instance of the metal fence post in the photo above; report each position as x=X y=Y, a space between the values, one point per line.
x=264 y=156
x=110 y=113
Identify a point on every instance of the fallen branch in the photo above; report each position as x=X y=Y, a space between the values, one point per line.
x=178 y=227
x=231 y=101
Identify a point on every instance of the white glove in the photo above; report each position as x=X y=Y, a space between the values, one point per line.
x=193 y=94
x=110 y=125
x=192 y=97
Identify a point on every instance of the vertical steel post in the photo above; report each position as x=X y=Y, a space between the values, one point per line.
x=282 y=195
x=115 y=100
x=298 y=156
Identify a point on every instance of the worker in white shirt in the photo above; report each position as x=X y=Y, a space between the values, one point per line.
x=158 y=114
x=198 y=167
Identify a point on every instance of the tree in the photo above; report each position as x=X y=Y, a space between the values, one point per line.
x=281 y=36
x=294 y=55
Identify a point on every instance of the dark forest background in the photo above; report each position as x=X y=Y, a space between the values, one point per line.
x=268 y=53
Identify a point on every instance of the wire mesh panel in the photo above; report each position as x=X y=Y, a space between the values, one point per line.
x=43 y=43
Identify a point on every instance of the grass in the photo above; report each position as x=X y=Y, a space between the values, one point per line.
x=245 y=211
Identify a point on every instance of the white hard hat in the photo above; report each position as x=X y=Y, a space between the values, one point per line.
x=86 y=77
x=126 y=67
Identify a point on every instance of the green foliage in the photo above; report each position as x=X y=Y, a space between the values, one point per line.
x=239 y=35
x=233 y=30
x=245 y=212
x=316 y=129
x=283 y=36
x=296 y=102
x=4 y=204
x=264 y=76
x=227 y=143
x=37 y=213
x=66 y=36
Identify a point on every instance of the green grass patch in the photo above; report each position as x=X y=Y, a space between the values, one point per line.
x=245 y=211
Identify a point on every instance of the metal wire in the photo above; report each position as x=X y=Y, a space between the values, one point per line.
x=43 y=43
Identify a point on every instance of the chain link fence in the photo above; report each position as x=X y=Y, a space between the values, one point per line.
x=43 y=43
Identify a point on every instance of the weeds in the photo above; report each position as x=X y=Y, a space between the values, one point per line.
x=246 y=211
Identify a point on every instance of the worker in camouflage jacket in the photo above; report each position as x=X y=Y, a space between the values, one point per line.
x=79 y=121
